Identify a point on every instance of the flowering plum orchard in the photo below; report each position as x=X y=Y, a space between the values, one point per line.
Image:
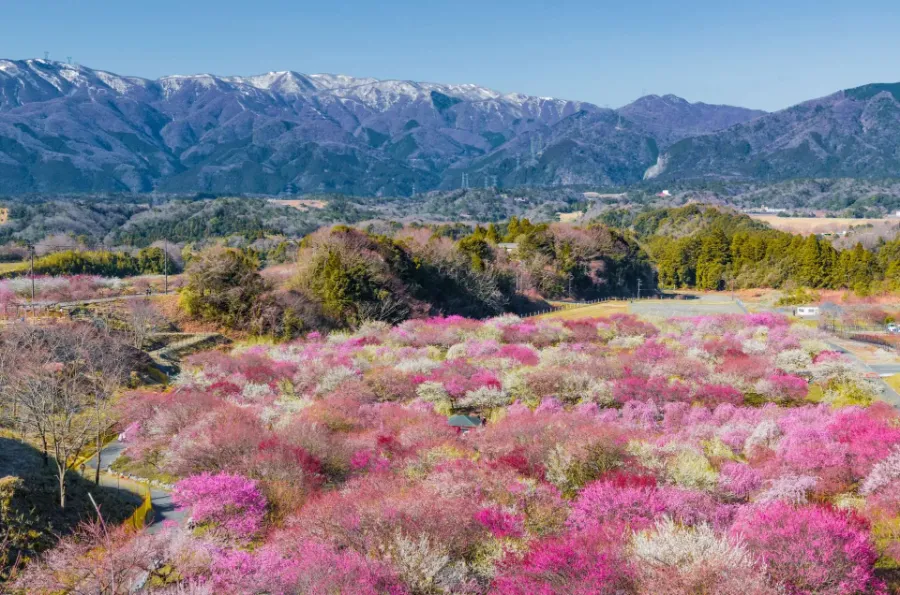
x=728 y=454
x=59 y=289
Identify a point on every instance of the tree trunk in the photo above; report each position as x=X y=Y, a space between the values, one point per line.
x=62 y=486
x=99 y=454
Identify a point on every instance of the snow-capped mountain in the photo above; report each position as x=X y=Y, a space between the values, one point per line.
x=67 y=128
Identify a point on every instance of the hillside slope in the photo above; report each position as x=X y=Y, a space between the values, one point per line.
x=852 y=133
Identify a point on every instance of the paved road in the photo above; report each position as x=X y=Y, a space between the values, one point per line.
x=886 y=369
x=163 y=508
x=888 y=394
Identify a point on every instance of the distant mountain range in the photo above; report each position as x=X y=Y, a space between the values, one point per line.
x=66 y=128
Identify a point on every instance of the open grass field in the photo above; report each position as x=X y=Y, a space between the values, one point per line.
x=894 y=382
x=12 y=267
x=700 y=305
x=570 y=217
x=300 y=204
x=808 y=225
x=592 y=311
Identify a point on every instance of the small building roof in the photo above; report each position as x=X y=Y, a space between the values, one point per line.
x=464 y=421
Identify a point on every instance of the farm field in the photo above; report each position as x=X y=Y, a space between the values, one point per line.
x=300 y=203
x=701 y=304
x=720 y=453
x=808 y=225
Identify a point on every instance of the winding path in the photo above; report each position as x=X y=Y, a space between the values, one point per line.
x=161 y=499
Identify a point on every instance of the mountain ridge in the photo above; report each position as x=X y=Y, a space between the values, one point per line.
x=66 y=128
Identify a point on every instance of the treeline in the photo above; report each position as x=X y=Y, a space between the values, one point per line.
x=148 y=261
x=707 y=248
x=344 y=277
x=145 y=221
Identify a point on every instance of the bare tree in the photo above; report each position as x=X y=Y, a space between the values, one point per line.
x=143 y=320
x=63 y=384
x=97 y=559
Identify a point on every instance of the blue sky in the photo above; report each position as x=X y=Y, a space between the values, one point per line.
x=761 y=54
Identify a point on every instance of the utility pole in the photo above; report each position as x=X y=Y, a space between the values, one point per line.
x=639 y=289
x=31 y=248
x=166 y=265
x=570 y=285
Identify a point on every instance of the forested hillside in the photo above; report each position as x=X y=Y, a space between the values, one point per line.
x=709 y=248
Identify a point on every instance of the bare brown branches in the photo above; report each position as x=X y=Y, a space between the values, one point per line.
x=58 y=382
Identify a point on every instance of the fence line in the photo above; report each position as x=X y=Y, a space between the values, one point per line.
x=858 y=333
x=575 y=305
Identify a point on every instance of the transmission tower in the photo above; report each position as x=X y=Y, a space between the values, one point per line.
x=46 y=56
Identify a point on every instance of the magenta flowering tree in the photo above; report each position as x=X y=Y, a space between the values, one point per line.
x=607 y=502
x=811 y=549
x=587 y=563
x=230 y=503
x=713 y=395
x=499 y=522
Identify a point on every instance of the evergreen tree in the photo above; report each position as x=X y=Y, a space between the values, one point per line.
x=713 y=260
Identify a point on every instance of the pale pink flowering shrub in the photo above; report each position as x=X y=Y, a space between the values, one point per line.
x=306 y=567
x=231 y=503
x=883 y=474
x=787 y=387
x=810 y=549
x=738 y=480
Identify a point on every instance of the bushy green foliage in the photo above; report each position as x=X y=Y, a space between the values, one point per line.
x=148 y=261
x=356 y=277
x=223 y=286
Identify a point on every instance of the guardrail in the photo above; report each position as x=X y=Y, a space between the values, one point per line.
x=138 y=519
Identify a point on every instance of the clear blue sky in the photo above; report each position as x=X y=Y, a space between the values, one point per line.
x=757 y=53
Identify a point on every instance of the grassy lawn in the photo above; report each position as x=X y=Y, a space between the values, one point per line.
x=12 y=267
x=593 y=311
x=894 y=382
